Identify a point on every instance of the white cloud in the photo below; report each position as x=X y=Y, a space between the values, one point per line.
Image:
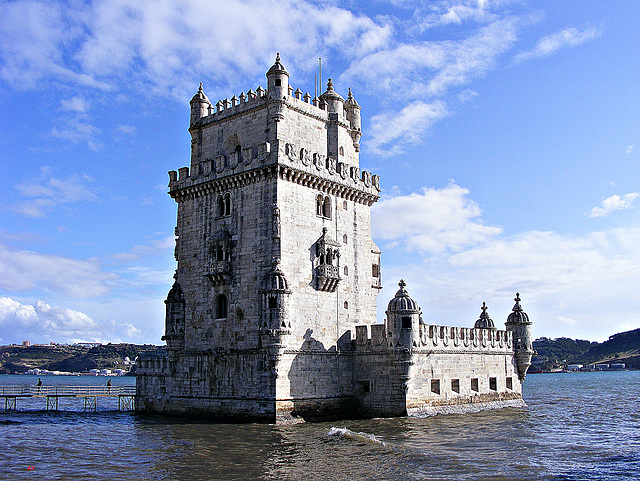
x=46 y=192
x=434 y=221
x=23 y=271
x=126 y=129
x=75 y=104
x=613 y=203
x=629 y=149
x=41 y=317
x=393 y=131
x=569 y=37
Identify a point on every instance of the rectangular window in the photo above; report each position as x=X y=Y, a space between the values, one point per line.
x=406 y=322
x=455 y=385
x=493 y=384
x=375 y=270
x=365 y=386
x=273 y=303
x=435 y=386
x=509 y=383
x=474 y=384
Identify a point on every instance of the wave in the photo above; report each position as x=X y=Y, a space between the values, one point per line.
x=348 y=434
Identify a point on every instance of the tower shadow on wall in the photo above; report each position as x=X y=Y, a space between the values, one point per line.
x=321 y=380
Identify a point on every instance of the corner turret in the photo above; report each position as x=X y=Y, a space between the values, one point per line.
x=277 y=80
x=200 y=105
x=352 y=109
x=519 y=324
x=403 y=319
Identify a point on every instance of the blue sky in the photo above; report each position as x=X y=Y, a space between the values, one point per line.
x=506 y=134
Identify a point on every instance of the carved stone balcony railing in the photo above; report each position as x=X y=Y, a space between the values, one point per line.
x=219 y=272
x=327 y=277
x=376 y=283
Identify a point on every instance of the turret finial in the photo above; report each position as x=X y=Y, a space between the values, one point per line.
x=517 y=306
x=402 y=284
x=200 y=89
x=329 y=85
x=277 y=56
x=350 y=95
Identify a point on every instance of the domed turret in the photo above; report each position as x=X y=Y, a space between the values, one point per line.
x=519 y=324
x=403 y=318
x=200 y=105
x=277 y=80
x=352 y=109
x=335 y=103
x=484 y=322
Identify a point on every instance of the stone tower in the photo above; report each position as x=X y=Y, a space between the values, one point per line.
x=273 y=248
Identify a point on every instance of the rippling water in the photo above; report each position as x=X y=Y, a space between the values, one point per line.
x=583 y=426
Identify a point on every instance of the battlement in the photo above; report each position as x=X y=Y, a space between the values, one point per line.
x=438 y=338
x=297 y=163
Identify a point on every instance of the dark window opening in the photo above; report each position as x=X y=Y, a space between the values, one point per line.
x=455 y=385
x=493 y=384
x=474 y=384
x=375 y=270
x=326 y=208
x=435 y=386
x=365 y=386
x=221 y=307
x=346 y=305
x=278 y=82
x=273 y=303
x=509 y=383
x=406 y=322
x=346 y=271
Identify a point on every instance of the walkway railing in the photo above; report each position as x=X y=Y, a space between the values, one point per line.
x=66 y=391
x=90 y=394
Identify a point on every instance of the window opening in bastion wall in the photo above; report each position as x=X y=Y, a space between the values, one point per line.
x=509 y=383
x=455 y=385
x=435 y=386
x=474 y=384
x=493 y=384
x=406 y=322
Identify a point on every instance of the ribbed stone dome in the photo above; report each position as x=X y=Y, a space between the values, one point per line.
x=402 y=301
x=484 y=322
x=277 y=67
x=276 y=281
x=330 y=93
x=200 y=96
x=518 y=316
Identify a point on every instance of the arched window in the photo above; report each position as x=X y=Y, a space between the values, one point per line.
x=238 y=153
x=220 y=206
x=326 y=208
x=221 y=307
x=341 y=150
x=344 y=239
x=346 y=304
x=227 y=204
x=319 y=200
x=346 y=271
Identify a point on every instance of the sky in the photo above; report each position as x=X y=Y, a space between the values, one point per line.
x=506 y=135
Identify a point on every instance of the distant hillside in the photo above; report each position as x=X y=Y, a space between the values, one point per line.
x=19 y=359
x=621 y=347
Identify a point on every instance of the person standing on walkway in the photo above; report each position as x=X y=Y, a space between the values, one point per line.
x=109 y=386
x=39 y=385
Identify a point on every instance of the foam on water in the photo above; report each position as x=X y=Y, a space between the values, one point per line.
x=348 y=434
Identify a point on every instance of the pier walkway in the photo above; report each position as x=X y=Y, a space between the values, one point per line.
x=90 y=394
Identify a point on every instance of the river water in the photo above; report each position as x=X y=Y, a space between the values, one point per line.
x=579 y=426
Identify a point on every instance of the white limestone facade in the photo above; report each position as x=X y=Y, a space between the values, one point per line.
x=272 y=315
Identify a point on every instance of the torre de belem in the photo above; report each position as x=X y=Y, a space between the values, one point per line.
x=272 y=315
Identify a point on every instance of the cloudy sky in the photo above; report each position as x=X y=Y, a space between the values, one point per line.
x=506 y=134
